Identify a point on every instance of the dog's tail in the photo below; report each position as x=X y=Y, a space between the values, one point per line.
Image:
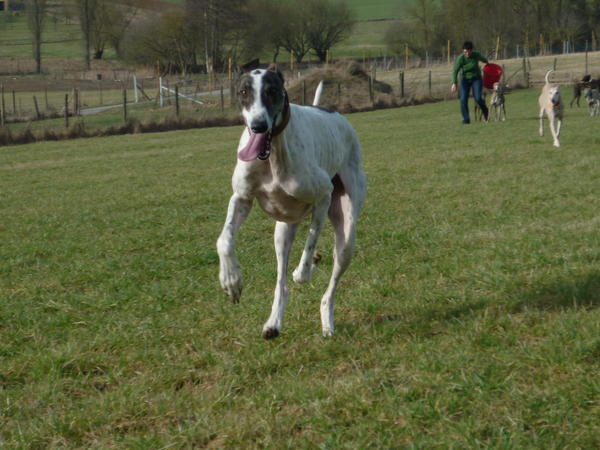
x=318 y=93
x=548 y=74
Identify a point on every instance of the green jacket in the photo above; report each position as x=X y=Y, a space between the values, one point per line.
x=469 y=66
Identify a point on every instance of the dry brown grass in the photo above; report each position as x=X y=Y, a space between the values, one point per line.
x=78 y=129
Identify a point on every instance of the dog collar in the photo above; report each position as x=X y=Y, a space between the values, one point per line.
x=285 y=117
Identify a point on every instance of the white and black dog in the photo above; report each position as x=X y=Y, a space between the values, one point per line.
x=592 y=96
x=295 y=161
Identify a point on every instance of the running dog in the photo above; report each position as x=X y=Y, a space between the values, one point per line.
x=592 y=96
x=551 y=105
x=578 y=88
x=498 y=101
x=295 y=161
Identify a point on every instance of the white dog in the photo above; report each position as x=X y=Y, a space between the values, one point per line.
x=551 y=105
x=296 y=161
x=498 y=101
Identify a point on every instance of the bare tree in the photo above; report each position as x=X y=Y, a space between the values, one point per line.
x=328 y=23
x=36 y=16
x=87 y=10
x=215 y=23
x=111 y=22
x=292 y=33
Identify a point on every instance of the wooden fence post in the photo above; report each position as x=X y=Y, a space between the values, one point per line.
x=37 y=109
x=177 y=100
x=66 y=110
x=429 y=83
x=339 y=93
x=402 y=84
x=232 y=93
x=14 y=98
x=2 y=110
x=124 y=105
x=304 y=92
x=222 y=100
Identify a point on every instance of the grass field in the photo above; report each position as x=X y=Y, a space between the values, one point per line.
x=469 y=317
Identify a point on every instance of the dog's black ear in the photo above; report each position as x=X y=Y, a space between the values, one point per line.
x=250 y=65
x=274 y=68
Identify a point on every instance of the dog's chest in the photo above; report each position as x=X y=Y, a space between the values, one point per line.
x=280 y=205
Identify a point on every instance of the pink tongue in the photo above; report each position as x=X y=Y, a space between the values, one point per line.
x=255 y=145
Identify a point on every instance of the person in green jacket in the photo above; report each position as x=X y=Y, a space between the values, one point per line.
x=471 y=78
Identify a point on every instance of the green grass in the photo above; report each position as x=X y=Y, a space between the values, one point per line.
x=61 y=40
x=469 y=317
x=378 y=9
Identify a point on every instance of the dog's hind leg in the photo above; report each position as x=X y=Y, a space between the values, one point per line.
x=284 y=238
x=343 y=214
x=542 y=122
x=305 y=268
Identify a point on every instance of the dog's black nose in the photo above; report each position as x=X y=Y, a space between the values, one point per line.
x=259 y=126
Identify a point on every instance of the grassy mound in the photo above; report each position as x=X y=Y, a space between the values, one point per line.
x=346 y=88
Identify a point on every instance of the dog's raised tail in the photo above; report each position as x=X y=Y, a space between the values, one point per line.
x=318 y=93
x=548 y=74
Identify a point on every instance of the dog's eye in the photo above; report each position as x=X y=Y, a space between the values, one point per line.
x=244 y=93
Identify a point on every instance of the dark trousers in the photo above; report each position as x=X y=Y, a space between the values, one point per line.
x=465 y=87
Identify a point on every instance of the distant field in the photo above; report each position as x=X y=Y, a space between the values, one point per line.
x=468 y=319
x=378 y=9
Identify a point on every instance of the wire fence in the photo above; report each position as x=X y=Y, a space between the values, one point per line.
x=23 y=100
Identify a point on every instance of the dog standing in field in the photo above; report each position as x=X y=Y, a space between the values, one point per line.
x=498 y=101
x=295 y=161
x=592 y=96
x=551 y=105
x=578 y=89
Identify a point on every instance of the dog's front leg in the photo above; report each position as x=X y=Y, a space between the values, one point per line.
x=305 y=269
x=284 y=237
x=230 y=274
x=554 y=128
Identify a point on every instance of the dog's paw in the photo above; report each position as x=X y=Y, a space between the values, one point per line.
x=303 y=274
x=556 y=144
x=327 y=332
x=270 y=333
x=231 y=282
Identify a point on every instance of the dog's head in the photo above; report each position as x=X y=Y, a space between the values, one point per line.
x=263 y=101
x=554 y=95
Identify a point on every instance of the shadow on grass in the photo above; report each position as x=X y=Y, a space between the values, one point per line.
x=562 y=294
